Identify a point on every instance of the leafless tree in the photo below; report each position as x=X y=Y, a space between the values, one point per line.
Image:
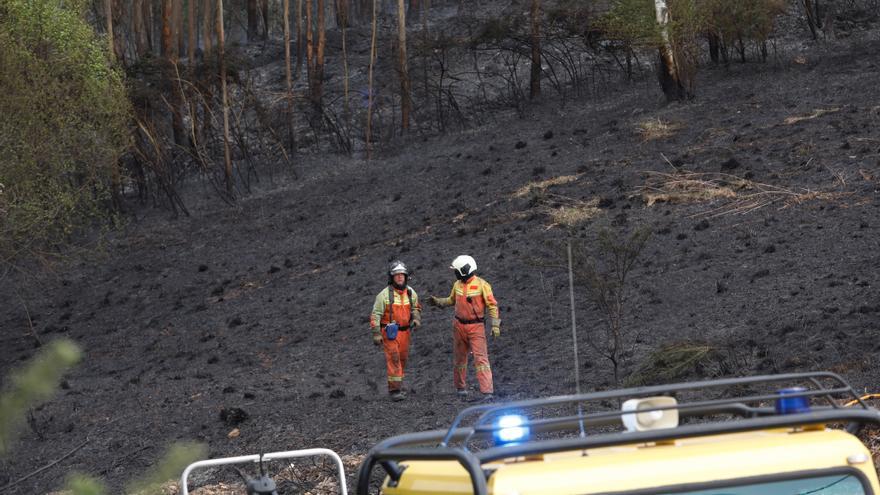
x=605 y=273
x=227 y=154
x=369 y=127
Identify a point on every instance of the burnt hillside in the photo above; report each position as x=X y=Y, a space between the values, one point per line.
x=761 y=197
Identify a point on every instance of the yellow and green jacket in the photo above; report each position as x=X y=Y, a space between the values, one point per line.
x=400 y=306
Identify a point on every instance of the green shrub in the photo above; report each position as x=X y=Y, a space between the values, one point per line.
x=672 y=362
x=37 y=382
x=64 y=123
x=32 y=385
x=632 y=22
x=735 y=23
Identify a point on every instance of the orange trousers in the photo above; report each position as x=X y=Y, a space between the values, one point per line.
x=471 y=338
x=396 y=354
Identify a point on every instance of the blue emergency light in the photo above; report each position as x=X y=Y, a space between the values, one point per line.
x=509 y=429
x=792 y=405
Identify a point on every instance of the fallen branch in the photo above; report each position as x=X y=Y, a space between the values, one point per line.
x=818 y=113
x=30 y=322
x=737 y=195
x=46 y=467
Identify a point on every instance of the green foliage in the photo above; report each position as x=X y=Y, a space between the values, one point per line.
x=635 y=23
x=742 y=20
x=37 y=381
x=65 y=122
x=632 y=22
x=32 y=385
x=686 y=26
x=169 y=467
x=79 y=484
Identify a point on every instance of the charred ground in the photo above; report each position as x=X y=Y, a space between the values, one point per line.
x=264 y=307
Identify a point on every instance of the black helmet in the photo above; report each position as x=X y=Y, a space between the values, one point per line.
x=394 y=268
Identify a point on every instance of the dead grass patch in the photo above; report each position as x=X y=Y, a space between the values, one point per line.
x=573 y=213
x=670 y=363
x=737 y=194
x=816 y=114
x=652 y=129
x=682 y=188
x=542 y=186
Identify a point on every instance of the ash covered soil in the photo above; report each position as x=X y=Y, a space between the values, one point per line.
x=264 y=307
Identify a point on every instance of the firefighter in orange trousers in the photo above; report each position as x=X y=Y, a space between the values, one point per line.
x=472 y=297
x=396 y=314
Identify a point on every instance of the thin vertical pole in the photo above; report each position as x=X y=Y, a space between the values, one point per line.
x=574 y=340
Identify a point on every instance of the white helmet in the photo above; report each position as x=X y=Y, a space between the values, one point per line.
x=464 y=267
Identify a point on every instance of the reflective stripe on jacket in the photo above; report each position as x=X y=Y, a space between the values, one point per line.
x=472 y=299
x=399 y=311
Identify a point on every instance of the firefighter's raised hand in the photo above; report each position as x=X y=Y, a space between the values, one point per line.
x=496 y=332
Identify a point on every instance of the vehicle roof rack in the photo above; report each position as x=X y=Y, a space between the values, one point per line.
x=738 y=399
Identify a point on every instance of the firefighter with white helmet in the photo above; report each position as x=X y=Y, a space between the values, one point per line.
x=473 y=298
x=396 y=314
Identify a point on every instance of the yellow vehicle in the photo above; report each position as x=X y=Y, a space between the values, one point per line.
x=767 y=435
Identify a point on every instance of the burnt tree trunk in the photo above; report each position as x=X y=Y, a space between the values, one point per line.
x=193 y=41
x=169 y=51
x=300 y=45
x=810 y=13
x=253 y=20
x=207 y=27
x=369 y=128
x=669 y=73
x=310 y=49
x=318 y=96
x=141 y=36
x=714 y=47
x=167 y=29
x=264 y=14
x=179 y=38
x=535 y=79
x=343 y=13
x=291 y=139
x=405 y=99
x=670 y=83
x=108 y=13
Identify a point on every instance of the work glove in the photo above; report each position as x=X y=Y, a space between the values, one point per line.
x=414 y=325
x=377 y=337
x=496 y=332
x=434 y=301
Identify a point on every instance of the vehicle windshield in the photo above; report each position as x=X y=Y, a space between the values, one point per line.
x=837 y=484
